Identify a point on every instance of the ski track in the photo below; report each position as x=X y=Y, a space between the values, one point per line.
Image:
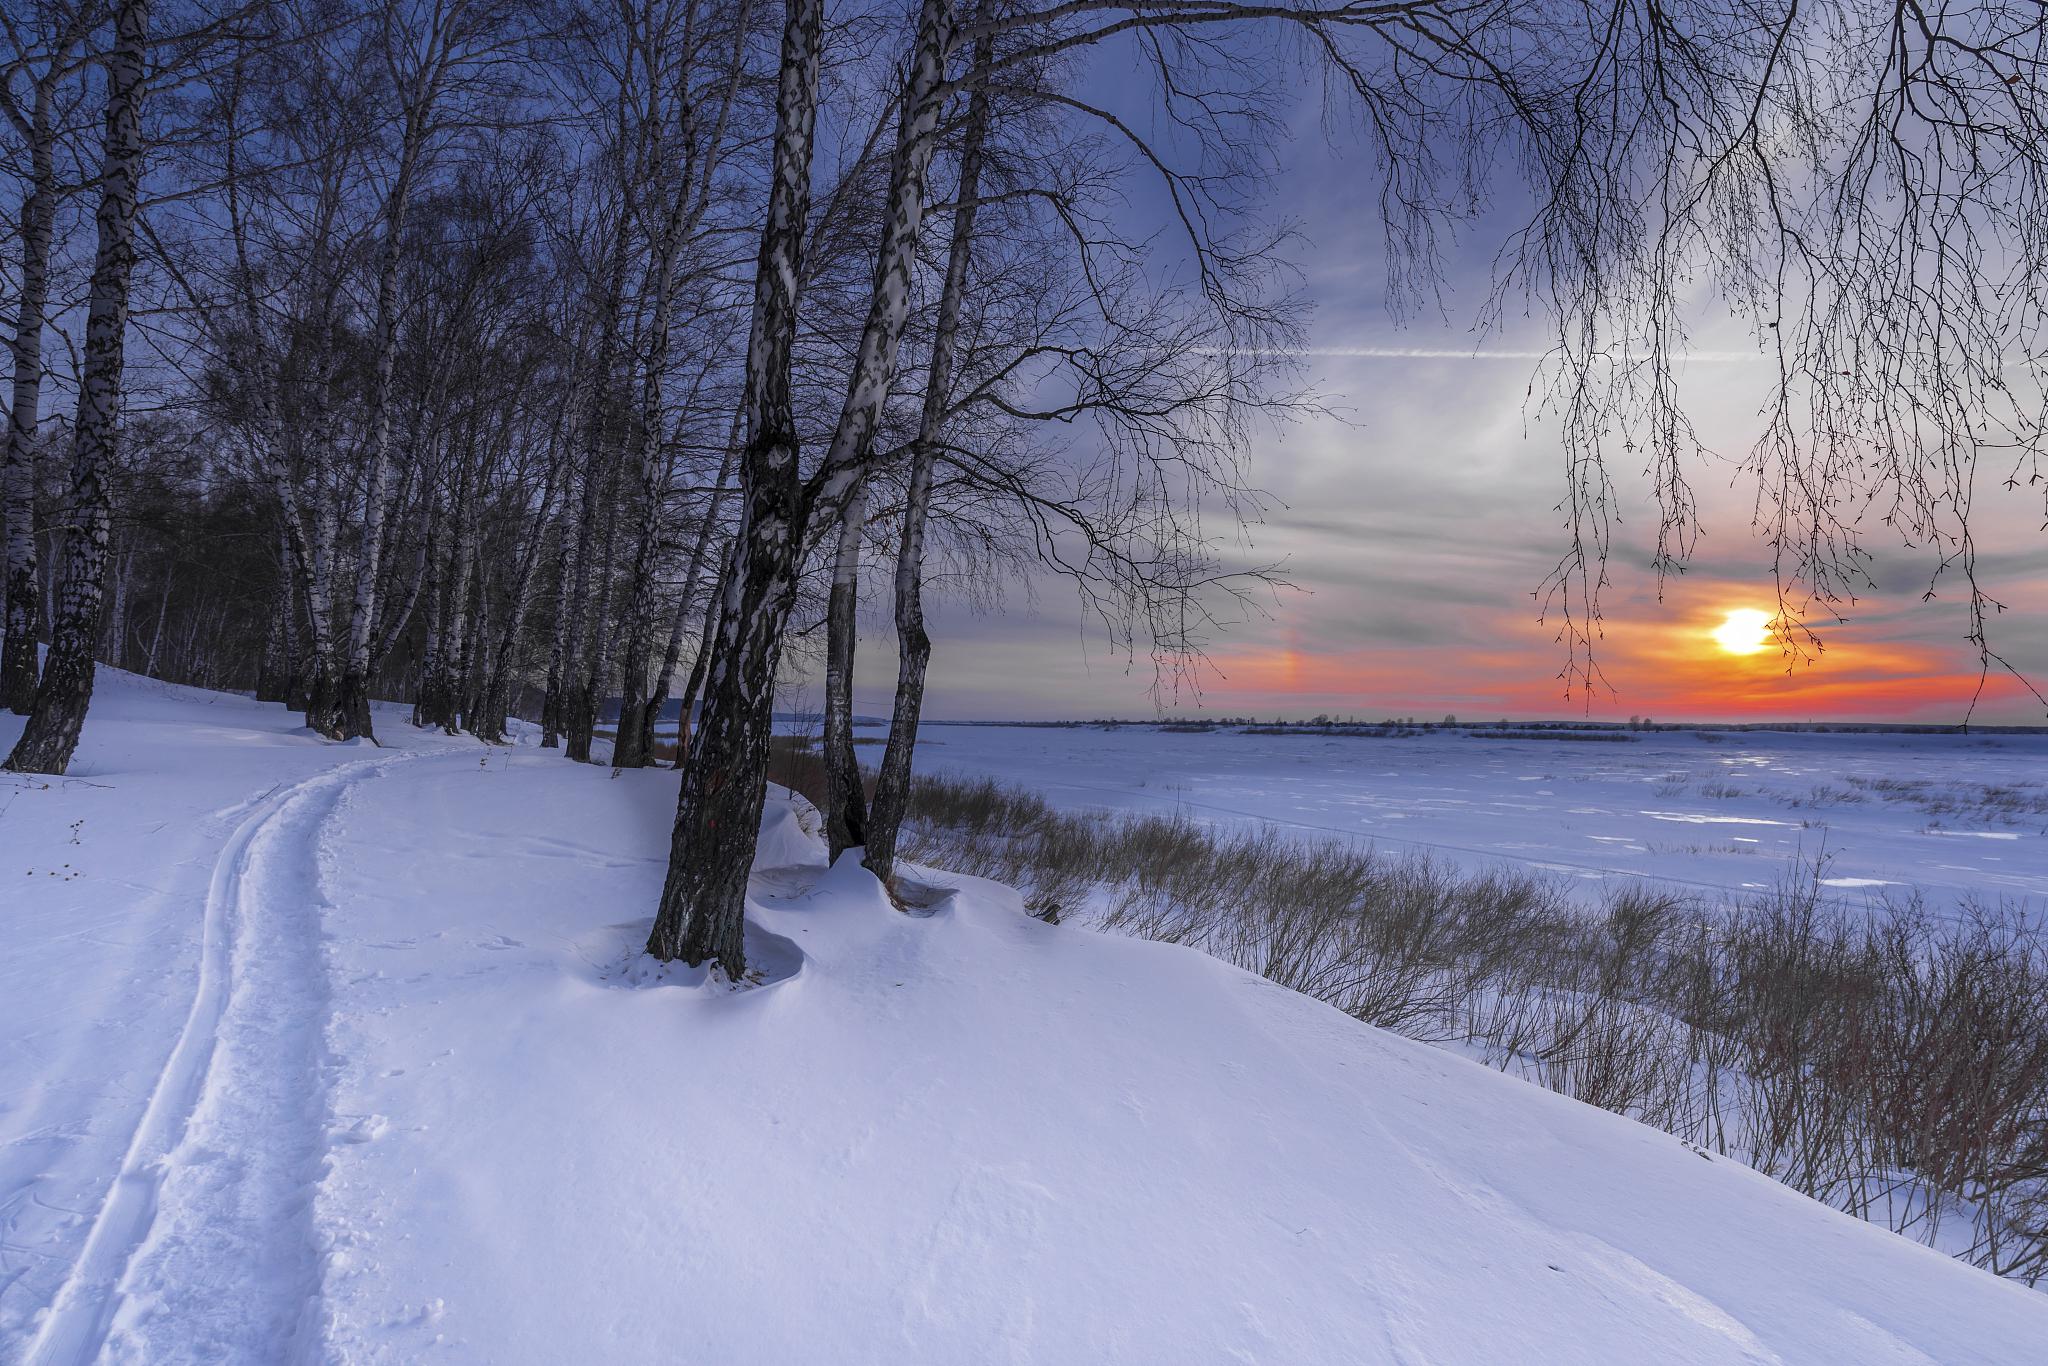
x=203 y=1249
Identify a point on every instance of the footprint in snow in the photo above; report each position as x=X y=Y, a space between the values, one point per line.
x=363 y=1130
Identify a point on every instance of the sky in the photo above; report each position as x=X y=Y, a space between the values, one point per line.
x=1417 y=527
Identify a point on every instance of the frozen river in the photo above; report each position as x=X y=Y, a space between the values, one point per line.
x=1733 y=812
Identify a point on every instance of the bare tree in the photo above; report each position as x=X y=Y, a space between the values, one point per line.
x=725 y=778
x=710 y=78
x=913 y=643
x=65 y=688
x=45 y=46
x=425 y=55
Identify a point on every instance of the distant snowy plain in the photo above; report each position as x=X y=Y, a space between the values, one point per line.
x=317 y=1053
x=1726 y=813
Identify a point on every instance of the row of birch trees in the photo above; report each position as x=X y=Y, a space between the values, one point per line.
x=447 y=385
x=555 y=359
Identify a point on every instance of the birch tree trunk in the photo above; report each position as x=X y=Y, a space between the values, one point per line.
x=17 y=474
x=707 y=646
x=489 y=723
x=351 y=715
x=664 y=678
x=392 y=620
x=703 y=150
x=302 y=451
x=699 y=557
x=323 y=688
x=600 y=480
x=844 y=474
x=579 y=711
x=65 y=690
x=156 y=639
x=846 y=814
x=476 y=626
x=874 y=367
x=702 y=911
x=570 y=549
x=629 y=750
x=629 y=747
x=270 y=446
x=299 y=588
x=274 y=683
x=455 y=647
x=429 y=706
x=114 y=650
x=566 y=560
x=913 y=645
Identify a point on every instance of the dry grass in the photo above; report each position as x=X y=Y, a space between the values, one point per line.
x=1893 y=1064
x=2015 y=804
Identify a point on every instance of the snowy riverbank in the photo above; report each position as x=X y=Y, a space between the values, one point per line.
x=1720 y=813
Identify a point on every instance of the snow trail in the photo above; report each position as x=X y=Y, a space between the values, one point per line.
x=202 y=1249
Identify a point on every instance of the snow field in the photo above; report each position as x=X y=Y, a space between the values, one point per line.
x=443 y=1110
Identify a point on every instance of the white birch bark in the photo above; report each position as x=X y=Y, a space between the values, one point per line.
x=352 y=714
x=913 y=644
x=65 y=690
x=702 y=150
x=843 y=476
x=692 y=577
x=846 y=815
x=18 y=584
x=701 y=914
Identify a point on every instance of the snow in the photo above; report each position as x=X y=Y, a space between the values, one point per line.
x=1954 y=816
x=334 y=1053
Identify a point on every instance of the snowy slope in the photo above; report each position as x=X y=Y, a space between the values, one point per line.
x=443 y=1111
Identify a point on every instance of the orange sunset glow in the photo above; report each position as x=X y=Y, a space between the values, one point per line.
x=1698 y=660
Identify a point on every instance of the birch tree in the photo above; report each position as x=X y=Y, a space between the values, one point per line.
x=37 y=104
x=700 y=129
x=64 y=690
x=913 y=642
x=425 y=54
x=725 y=777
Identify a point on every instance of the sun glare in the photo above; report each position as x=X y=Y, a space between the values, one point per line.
x=1745 y=632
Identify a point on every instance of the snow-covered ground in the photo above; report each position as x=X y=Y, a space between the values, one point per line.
x=1953 y=816
x=335 y=1053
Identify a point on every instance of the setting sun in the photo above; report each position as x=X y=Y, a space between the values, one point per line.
x=1745 y=631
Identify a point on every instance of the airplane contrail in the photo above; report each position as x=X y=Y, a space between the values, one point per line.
x=1436 y=353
